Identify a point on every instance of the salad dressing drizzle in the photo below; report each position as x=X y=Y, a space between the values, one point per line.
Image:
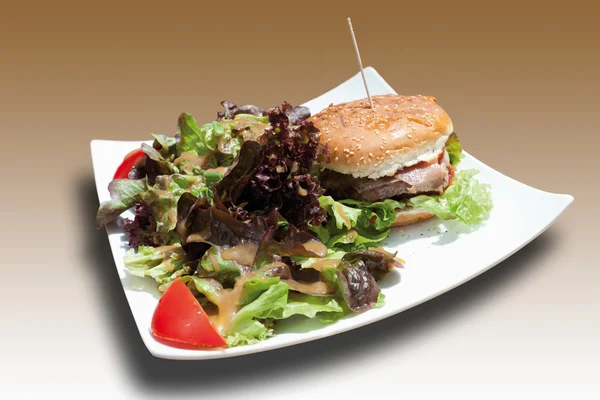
x=327 y=262
x=167 y=251
x=316 y=247
x=243 y=253
x=228 y=300
x=188 y=160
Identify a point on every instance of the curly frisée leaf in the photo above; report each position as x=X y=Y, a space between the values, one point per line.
x=274 y=174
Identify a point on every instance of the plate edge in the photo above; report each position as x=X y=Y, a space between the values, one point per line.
x=566 y=201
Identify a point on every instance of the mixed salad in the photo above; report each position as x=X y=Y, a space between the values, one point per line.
x=232 y=223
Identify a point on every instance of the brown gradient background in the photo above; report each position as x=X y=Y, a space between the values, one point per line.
x=520 y=81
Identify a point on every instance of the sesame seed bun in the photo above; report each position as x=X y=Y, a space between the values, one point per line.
x=399 y=132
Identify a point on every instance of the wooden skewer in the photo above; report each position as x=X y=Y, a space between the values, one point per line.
x=362 y=72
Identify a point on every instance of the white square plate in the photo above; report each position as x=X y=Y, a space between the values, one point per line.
x=439 y=255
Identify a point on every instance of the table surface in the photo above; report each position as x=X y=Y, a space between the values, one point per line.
x=519 y=80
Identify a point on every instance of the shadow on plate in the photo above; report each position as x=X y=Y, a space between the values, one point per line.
x=166 y=376
x=443 y=232
x=140 y=284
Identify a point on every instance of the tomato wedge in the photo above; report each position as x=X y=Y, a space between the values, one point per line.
x=180 y=320
x=133 y=158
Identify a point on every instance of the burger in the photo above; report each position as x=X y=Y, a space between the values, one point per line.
x=404 y=148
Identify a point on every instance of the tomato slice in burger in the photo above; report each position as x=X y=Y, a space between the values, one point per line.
x=180 y=321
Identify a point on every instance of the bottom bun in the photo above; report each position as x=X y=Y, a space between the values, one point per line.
x=411 y=215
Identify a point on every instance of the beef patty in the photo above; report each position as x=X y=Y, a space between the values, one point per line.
x=421 y=178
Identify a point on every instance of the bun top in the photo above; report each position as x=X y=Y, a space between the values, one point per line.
x=399 y=132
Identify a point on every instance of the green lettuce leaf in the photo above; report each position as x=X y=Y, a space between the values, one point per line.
x=162 y=199
x=167 y=145
x=356 y=239
x=306 y=262
x=344 y=217
x=191 y=137
x=163 y=264
x=251 y=333
x=379 y=214
x=156 y=164
x=124 y=193
x=380 y=300
x=257 y=118
x=454 y=149
x=466 y=200
x=309 y=306
x=267 y=299
x=209 y=288
x=213 y=265
x=211 y=177
x=245 y=328
x=221 y=140
x=354 y=225
x=212 y=131
x=272 y=298
x=254 y=287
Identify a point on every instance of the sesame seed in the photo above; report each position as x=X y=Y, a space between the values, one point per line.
x=351 y=153
x=335 y=149
x=387 y=152
x=371 y=155
x=362 y=158
x=337 y=158
x=358 y=147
